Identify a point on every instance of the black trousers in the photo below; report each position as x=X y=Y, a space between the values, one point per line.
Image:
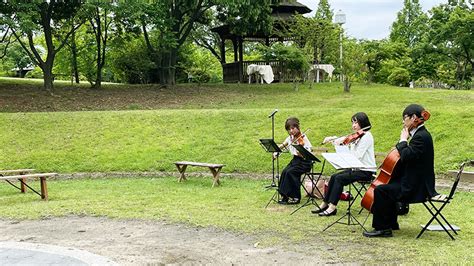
x=290 y=179
x=384 y=208
x=341 y=179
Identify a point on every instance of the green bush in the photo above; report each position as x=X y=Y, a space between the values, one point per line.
x=198 y=65
x=294 y=58
x=36 y=73
x=133 y=64
x=399 y=77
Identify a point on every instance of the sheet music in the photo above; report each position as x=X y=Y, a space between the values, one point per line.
x=344 y=160
x=341 y=148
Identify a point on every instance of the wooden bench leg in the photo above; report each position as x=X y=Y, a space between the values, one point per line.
x=181 y=169
x=215 y=173
x=44 y=188
x=22 y=185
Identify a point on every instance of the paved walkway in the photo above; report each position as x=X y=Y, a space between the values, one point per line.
x=21 y=253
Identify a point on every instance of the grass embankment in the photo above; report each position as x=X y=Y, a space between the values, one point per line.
x=222 y=124
x=219 y=123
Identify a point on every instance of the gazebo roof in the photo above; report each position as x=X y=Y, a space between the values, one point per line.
x=290 y=7
x=280 y=11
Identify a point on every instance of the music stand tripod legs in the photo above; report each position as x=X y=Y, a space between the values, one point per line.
x=275 y=175
x=311 y=198
x=350 y=216
x=270 y=146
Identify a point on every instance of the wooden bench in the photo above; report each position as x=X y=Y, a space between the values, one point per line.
x=215 y=170
x=17 y=172
x=23 y=177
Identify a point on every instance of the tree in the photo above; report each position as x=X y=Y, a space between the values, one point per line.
x=353 y=63
x=319 y=37
x=324 y=11
x=166 y=25
x=5 y=41
x=451 y=35
x=100 y=21
x=374 y=55
x=55 y=20
x=18 y=59
x=294 y=59
x=410 y=24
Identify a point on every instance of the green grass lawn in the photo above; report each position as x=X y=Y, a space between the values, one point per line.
x=238 y=206
x=222 y=124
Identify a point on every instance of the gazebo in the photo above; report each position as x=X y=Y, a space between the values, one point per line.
x=235 y=71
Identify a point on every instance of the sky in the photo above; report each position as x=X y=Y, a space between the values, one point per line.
x=369 y=19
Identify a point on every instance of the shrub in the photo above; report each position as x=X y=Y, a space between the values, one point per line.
x=399 y=77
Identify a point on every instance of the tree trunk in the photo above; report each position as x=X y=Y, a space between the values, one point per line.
x=167 y=71
x=347 y=84
x=74 y=57
x=48 y=77
x=172 y=67
x=98 y=80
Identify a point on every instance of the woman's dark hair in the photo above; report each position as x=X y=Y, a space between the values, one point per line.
x=292 y=122
x=362 y=119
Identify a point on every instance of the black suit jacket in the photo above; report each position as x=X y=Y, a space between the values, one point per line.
x=417 y=167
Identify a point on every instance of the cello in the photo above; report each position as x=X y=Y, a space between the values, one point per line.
x=388 y=167
x=386 y=170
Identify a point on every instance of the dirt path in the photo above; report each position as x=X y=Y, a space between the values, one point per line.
x=144 y=242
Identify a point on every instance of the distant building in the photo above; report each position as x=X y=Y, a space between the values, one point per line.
x=21 y=72
x=234 y=71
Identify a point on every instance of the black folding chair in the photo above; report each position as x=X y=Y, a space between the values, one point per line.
x=436 y=204
x=313 y=177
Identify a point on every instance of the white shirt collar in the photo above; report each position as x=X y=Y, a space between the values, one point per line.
x=413 y=131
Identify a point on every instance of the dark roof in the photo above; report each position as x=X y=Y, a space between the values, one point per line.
x=281 y=11
x=291 y=8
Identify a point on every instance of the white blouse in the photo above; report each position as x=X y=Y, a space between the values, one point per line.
x=363 y=149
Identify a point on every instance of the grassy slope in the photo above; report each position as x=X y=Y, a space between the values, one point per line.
x=222 y=124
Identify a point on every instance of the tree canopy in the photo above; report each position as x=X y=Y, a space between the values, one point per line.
x=161 y=41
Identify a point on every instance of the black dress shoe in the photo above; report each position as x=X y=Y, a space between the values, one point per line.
x=326 y=213
x=319 y=210
x=293 y=201
x=283 y=201
x=378 y=233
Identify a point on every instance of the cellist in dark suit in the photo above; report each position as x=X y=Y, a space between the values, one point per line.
x=415 y=178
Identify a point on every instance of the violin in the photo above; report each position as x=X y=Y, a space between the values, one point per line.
x=298 y=139
x=348 y=139
x=351 y=138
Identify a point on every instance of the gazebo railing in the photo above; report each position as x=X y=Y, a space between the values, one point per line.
x=231 y=72
x=280 y=72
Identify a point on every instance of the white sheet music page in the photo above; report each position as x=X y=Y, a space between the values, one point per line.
x=343 y=160
x=341 y=148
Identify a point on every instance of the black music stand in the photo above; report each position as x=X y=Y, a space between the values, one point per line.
x=269 y=145
x=310 y=157
x=345 y=161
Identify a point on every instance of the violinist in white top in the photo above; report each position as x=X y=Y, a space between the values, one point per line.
x=361 y=145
